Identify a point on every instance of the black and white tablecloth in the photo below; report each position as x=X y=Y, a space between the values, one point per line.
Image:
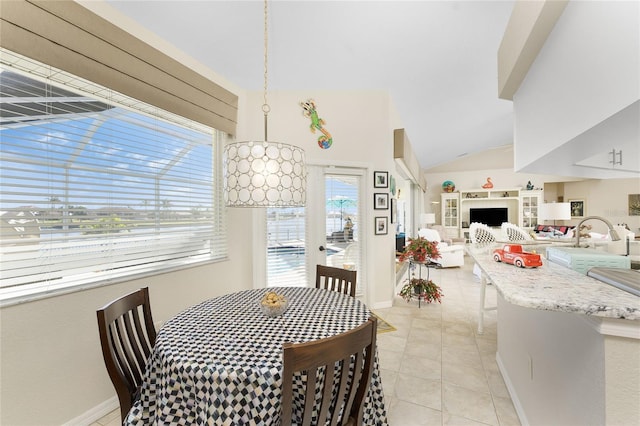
x=220 y=362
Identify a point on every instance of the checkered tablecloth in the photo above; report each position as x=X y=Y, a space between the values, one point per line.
x=220 y=362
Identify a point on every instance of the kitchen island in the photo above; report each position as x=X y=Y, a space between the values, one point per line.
x=568 y=344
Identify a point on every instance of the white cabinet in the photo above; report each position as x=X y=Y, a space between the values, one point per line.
x=523 y=206
x=450 y=205
x=530 y=202
x=504 y=201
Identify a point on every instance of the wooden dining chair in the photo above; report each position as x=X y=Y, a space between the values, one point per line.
x=127 y=335
x=336 y=279
x=349 y=357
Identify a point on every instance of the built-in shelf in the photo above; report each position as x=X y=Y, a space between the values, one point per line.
x=523 y=206
x=489 y=193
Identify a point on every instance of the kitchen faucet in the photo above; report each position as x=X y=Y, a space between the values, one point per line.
x=612 y=232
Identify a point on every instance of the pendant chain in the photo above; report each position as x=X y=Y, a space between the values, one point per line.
x=265 y=105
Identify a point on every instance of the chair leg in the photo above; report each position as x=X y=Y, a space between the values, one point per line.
x=483 y=291
x=483 y=288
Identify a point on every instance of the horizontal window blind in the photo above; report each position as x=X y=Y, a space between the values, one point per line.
x=286 y=255
x=97 y=186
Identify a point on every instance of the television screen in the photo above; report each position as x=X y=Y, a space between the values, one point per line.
x=494 y=216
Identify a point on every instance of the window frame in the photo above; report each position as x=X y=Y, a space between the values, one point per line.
x=28 y=292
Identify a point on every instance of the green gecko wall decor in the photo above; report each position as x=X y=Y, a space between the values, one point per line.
x=309 y=110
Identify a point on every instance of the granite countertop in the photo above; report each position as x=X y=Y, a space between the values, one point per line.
x=554 y=287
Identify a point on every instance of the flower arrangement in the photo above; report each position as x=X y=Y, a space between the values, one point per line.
x=420 y=287
x=420 y=250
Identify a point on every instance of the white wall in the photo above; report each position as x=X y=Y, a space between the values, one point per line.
x=569 y=369
x=553 y=364
x=361 y=124
x=622 y=395
x=608 y=198
x=585 y=74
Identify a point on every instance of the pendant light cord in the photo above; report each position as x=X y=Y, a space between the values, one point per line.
x=265 y=105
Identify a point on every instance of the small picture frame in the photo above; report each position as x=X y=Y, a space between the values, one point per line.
x=380 y=179
x=381 y=201
x=578 y=208
x=382 y=225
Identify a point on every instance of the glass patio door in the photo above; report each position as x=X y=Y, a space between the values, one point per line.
x=286 y=252
x=326 y=231
x=342 y=207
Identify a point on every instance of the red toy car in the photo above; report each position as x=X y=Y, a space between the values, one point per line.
x=512 y=253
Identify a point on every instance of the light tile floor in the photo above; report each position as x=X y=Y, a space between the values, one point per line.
x=436 y=369
x=111 y=419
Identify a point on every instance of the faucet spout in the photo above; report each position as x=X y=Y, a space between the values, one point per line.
x=612 y=232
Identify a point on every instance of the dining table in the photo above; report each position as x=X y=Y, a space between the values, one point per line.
x=219 y=362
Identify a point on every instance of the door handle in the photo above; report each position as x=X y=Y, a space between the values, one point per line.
x=321 y=248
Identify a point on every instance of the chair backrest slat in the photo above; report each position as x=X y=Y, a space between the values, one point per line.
x=357 y=376
x=140 y=345
x=343 y=387
x=309 y=400
x=130 y=345
x=343 y=363
x=120 y=351
x=336 y=279
x=127 y=336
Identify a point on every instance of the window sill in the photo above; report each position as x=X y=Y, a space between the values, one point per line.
x=23 y=294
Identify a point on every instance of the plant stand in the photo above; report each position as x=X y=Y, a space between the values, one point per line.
x=412 y=271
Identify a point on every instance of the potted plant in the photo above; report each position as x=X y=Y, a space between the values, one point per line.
x=423 y=288
x=420 y=250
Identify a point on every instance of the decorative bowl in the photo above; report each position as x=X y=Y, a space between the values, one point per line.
x=274 y=305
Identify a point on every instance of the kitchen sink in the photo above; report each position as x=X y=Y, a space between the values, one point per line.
x=582 y=259
x=624 y=279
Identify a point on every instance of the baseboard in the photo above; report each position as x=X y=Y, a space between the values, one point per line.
x=95 y=414
x=512 y=393
x=382 y=305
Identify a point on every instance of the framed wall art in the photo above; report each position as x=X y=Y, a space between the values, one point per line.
x=380 y=179
x=634 y=204
x=578 y=208
x=382 y=225
x=380 y=201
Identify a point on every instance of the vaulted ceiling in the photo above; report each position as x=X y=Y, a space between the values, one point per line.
x=437 y=59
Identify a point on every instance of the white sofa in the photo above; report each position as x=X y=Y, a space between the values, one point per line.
x=450 y=255
x=452 y=241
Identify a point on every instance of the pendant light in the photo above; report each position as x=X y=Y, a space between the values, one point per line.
x=264 y=173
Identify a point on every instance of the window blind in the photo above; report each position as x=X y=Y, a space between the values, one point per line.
x=286 y=255
x=97 y=186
